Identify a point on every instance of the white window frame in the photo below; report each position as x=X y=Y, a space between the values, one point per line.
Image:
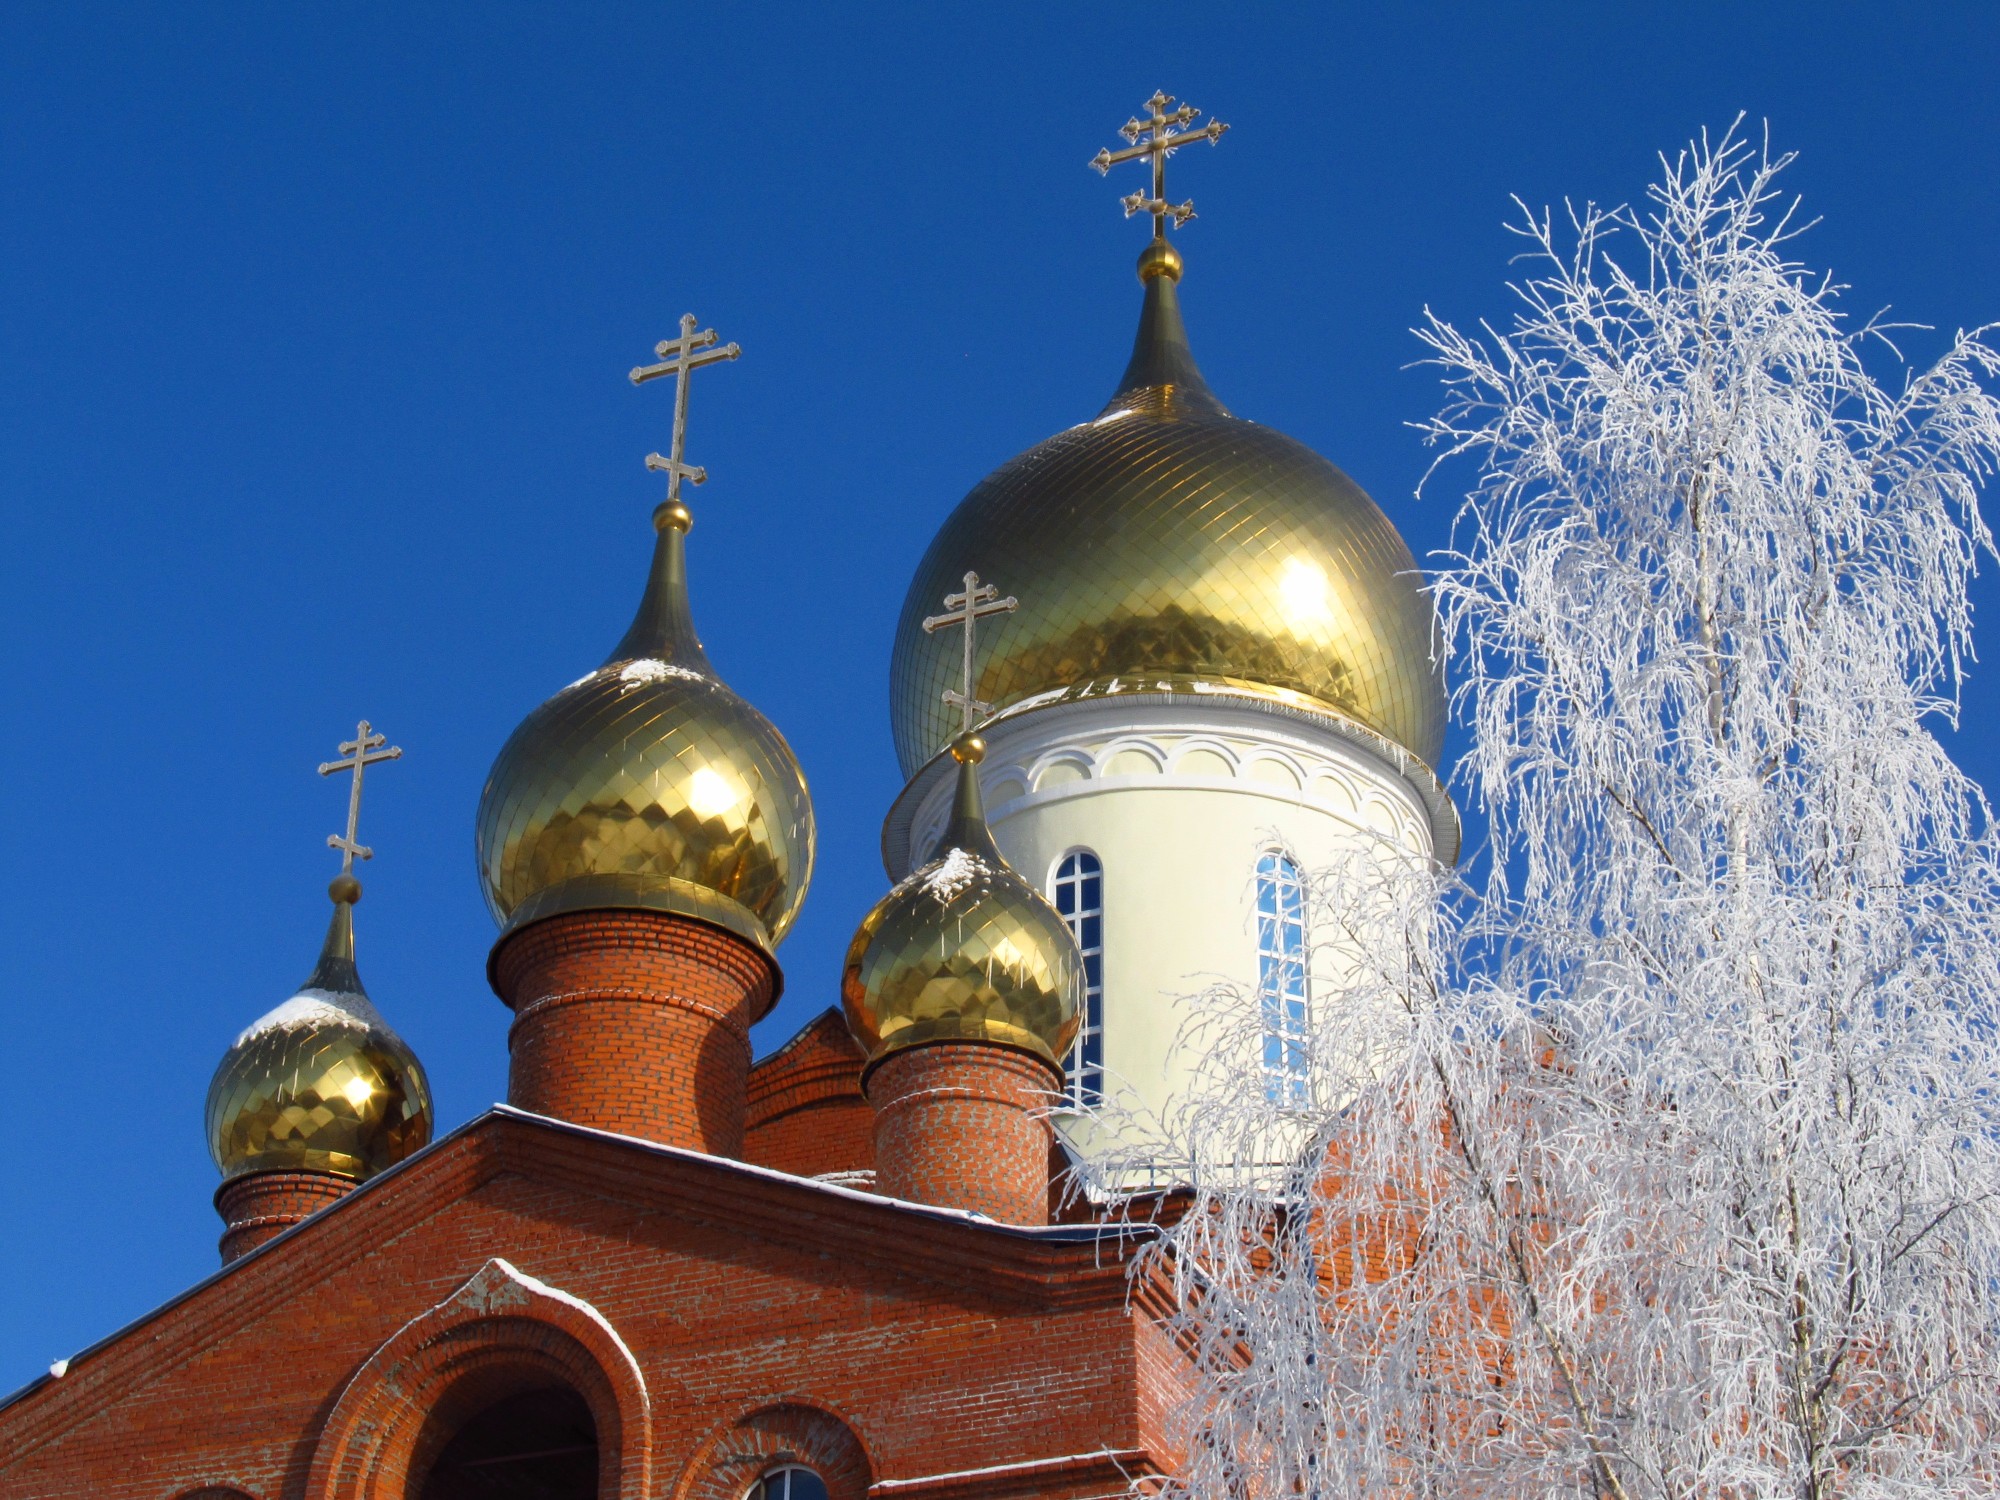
x=1284 y=984
x=757 y=1491
x=1083 y=1079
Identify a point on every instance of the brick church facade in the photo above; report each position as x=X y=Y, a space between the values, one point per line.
x=657 y=1270
x=718 y=1319
x=856 y=1270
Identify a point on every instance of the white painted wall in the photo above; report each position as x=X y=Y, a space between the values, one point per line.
x=1177 y=798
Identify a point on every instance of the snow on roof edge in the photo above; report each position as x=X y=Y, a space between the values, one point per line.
x=1045 y=1233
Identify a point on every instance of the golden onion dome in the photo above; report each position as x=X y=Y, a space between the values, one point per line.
x=963 y=948
x=1168 y=546
x=649 y=784
x=320 y=1084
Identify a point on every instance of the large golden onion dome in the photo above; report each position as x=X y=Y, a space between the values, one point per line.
x=963 y=949
x=1168 y=546
x=649 y=784
x=320 y=1084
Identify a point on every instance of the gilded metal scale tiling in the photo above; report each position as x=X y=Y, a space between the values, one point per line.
x=320 y=1084
x=1169 y=545
x=649 y=784
x=964 y=949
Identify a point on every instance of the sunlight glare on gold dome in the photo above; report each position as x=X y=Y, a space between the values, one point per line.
x=1178 y=544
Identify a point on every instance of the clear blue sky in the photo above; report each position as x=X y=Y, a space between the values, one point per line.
x=313 y=330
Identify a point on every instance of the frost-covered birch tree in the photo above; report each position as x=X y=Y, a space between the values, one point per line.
x=1661 y=1156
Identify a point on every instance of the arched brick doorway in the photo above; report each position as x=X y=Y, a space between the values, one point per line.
x=489 y=1442
x=504 y=1346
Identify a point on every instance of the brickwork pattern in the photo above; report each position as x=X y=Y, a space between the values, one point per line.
x=960 y=1124
x=944 y=1347
x=807 y=1112
x=732 y=1460
x=264 y=1205
x=494 y=1338
x=634 y=1021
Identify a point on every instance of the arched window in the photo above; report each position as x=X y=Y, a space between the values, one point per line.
x=1281 y=978
x=792 y=1482
x=1079 y=897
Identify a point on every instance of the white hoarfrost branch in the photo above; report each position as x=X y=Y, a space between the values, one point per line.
x=1661 y=1157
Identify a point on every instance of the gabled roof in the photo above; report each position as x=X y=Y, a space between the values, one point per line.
x=1051 y=1267
x=822 y=1061
x=824 y=1040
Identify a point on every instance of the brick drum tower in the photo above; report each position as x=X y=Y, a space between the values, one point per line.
x=646 y=840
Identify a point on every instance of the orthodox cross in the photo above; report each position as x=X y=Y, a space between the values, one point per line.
x=361 y=752
x=974 y=604
x=679 y=359
x=1160 y=143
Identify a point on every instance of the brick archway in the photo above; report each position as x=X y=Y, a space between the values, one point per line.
x=500 y=1333
x=778 y=1432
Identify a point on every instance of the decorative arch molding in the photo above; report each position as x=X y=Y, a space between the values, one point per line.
x=1062 y=768
x=1288 y=778
x=1131 y=756
x=784 y=1430
x=1010 y=783
x=1093 y=749
x=1195 y=754
x=502 y=1332
x=1202 y=762
x=1057 y=751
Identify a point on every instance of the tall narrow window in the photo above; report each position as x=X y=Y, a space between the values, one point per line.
x=1080 y=898
x=1281 y=978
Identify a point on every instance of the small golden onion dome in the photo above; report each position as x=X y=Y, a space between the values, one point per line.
x=963 y=949
x=1169 y=546
x=321 y=1084
x=649 y=784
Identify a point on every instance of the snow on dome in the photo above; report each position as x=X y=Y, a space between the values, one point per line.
x=950 y=876
x=963 y=949
x=310 y=1007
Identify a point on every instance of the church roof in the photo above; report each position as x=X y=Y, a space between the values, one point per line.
x=964 y=949
x=1171 y=546
x=320 y=1083
x=650 y=784
x=966 y=1254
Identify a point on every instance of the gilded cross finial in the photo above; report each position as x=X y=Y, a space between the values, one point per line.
x=977 y=601
x=1159 y=143
x=359 y=753
x=678 y=358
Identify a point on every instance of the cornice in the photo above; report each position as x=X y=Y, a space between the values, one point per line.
x=1136 y=715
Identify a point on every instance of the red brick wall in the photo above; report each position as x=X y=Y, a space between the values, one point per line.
x=958 y=1124
x=940 y=1346
x=807 y=1112
x=634 y=1021
x=263 y=1205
